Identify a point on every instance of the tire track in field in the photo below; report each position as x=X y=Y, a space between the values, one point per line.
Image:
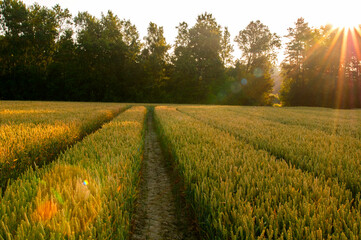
x=157 y=215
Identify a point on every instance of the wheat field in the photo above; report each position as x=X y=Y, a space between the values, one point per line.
x=247 y=172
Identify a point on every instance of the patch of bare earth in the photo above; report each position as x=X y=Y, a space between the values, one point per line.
x=158 y=216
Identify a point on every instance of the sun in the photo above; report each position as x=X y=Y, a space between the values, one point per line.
x=346 y=22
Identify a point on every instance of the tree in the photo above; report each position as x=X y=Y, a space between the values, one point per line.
x=227 y=48
x=294 y=88
x=197 y=60
x=62 y=73
x=132 y=70
x=29 y=42
x=184 y=71
x=130 y=37
x=258 y=46
x=298 y=46
x=322 y=67
x=108 y=50
x=205 y=42
x=155 y=61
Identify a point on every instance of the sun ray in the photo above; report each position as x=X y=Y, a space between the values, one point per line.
x=341 y=70
x=313 y=49
x=333 y=43
x=355 y=43
x=358 y=29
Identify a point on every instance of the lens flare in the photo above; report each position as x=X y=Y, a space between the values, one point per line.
x=343 y=43
x=65 y=198
x=45 y=211
x=258 y=72
x=236 y=87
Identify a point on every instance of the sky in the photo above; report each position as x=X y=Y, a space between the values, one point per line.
x=278 y=15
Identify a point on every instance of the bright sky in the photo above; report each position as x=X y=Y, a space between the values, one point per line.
x=278 y=15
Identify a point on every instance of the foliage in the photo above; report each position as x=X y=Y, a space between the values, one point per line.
x=197 y=61
x=322 y=67
x=47 y=54
x=155 y=61
x=258 y=46
x=227 y=48
x=27 y=47
x=42 y=59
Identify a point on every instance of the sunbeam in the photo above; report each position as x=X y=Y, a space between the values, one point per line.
x=341 y=70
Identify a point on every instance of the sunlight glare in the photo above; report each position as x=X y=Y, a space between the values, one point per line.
x=345 y=22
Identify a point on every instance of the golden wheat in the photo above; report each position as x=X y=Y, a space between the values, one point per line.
x=87 y=193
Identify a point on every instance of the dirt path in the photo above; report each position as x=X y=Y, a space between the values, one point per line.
x=157 y=215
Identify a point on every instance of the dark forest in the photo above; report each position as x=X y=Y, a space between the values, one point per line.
x=48 y=54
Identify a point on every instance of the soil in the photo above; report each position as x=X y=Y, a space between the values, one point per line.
x=159 y=214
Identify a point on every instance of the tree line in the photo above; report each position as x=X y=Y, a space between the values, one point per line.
x=322 y=67
x=47 y=54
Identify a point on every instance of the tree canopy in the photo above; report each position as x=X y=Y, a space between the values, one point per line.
x=322 y=67
x=48 y=54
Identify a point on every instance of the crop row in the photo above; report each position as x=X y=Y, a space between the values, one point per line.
x=331 y=121
x=239 y=192
x=15 y=112
x=44 y=132
x=332 y=156
x=87 y=193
